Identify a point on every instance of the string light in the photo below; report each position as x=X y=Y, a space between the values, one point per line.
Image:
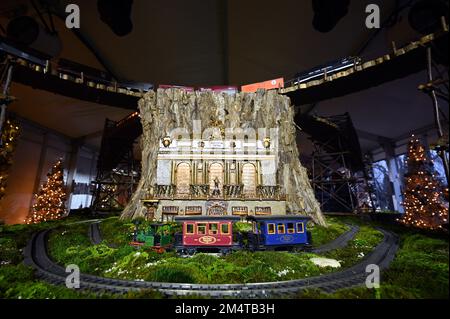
x=425 y=204
x=9 y=136
x=50 y=201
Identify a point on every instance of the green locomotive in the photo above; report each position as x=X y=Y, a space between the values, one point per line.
x=157 y=237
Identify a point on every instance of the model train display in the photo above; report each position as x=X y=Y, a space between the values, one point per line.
x=191 y=234
x=327 y=69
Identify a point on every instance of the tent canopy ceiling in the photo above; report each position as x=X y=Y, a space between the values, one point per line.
x=232 y=42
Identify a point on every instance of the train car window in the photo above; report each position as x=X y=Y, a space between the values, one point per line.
x=201 y=229
x=281 y=229
x=271 y=229
x=189 y=229
x=300 y=228
x=290 y=228
x=225 y=229
x=213 y=229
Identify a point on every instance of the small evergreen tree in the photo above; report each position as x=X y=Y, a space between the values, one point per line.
x=425 y=205
x=50 y=201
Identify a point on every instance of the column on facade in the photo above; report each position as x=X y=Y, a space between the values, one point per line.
x=194 y=173
x=238 y=173
x=172 y=173
x=225 y=173
x=258 y=173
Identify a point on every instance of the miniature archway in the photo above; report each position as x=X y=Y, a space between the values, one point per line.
x=249 y=179
x=183 y=178
x=216 y=176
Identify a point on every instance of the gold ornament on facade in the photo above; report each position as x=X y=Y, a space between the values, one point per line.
x=219 y=124
x=266 y=142
x=166 y=141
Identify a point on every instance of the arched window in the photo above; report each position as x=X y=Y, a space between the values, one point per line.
x=183 y=178
x=216 y=173
x=249 y=179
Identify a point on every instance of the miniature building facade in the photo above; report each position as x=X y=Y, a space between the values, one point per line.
x=215 y=177
x=213 y=153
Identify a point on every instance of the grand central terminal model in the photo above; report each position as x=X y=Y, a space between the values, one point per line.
x=213 y=153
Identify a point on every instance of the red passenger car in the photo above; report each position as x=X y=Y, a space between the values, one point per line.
x=206 y=233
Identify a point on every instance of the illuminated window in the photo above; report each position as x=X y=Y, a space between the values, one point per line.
x=189 y=229
x=213 y=229
x=225 y=229
x=290 y=228
x=193 y=210
x=281 y=229
x=239 y=210
x=263 y=210
x=271 y=229
x=201 y=229
x=300 y=228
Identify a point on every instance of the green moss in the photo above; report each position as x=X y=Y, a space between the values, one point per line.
x=116 y=232
x=65 y=242
x=363 y=243
x=420 y=269
x=421 y=266
x=144 y=294
x=17 y=282
x=174 y=273
x=321 y=235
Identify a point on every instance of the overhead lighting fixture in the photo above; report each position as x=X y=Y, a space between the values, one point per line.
x=117 y=15
x=328 y=13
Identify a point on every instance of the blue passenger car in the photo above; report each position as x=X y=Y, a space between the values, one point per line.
x=279 y=233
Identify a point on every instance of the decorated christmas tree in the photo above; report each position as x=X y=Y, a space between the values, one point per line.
x=8 y=141
x=50 y=201
x=424 y=202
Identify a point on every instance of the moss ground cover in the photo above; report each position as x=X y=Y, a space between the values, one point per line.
x=420 y=269
x=122 y=261
x=363 y=243
x=17 y=280
x=321 y=235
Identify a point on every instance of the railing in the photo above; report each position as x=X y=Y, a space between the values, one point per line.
x=204 y=192
x=268 y=192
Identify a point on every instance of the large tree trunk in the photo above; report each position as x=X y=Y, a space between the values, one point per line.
x=165 y=110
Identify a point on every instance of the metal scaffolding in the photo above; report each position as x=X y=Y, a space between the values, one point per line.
x=340 y=177
x=117 y=170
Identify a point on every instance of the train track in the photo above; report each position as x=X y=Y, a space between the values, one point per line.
x=339 y=242
x=36 y=255
x=94 y=233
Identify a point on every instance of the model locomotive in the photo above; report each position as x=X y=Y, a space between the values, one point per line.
x=218 y=234
x=327 y=69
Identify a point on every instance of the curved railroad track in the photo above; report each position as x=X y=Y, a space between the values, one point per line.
x=36 y=256
x=340 y=242
x=94 y=233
